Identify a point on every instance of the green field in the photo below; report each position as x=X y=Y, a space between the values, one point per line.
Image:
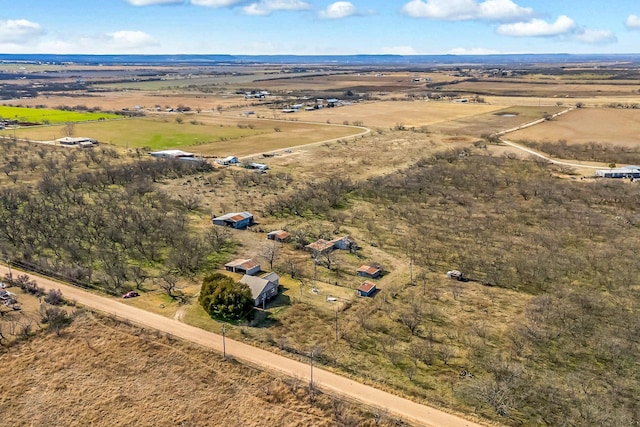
x=47 y=116
x=218 y=136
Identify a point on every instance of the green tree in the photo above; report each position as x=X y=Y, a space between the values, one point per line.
x=224 y=298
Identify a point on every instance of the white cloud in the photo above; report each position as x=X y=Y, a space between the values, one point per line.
x=266 y=7
x=130 y=39
x=633 y=22
x=538 y=28
x=19 y=31
x=590 y=36
x=338 y=10
x=473 y=51
x=465 y=10
x=215 y=3
x=153 y=2
x=399 y=50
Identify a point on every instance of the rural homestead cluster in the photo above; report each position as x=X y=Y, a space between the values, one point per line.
x=264 y=286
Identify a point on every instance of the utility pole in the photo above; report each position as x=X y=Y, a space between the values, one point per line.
x=224 y=344
x=311 y=366
x=336 y=323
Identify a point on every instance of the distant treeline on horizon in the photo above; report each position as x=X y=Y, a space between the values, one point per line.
x=355 y=60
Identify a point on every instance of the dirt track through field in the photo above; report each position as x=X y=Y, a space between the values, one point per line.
x=326 y=381
x=538 y=154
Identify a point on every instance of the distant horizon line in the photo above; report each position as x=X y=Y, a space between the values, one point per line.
x=326 y=55
x=306 y=60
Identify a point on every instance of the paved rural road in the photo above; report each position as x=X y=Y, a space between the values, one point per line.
x=327 y=381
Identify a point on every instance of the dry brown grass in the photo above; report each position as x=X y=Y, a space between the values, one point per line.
x=604 y=125
x=104 y=373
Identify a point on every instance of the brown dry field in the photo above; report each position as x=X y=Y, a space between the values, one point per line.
x=104 y=373
x=546 y=89
x=388 y=114
x=604 y=125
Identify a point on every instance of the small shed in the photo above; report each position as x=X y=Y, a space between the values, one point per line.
x=320 y=246
x=367 y=289
x=278 y=235
x=262 y=288
x=238 y=220
x=246 y=266
x=345 y=243
x=370 y=271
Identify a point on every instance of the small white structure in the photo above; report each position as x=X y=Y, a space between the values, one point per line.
x=455 y=275
x=229 y=160
x=79 y=141
x=171 y=154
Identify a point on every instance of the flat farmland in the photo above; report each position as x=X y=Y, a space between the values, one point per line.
x=604 y=125
x=119 y=100
x=211 y=135
x=495 y=121
x=354 y=81
x=387 y=114
x=43 y=115
x=548 y=89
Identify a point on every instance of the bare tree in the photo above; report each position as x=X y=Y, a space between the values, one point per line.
x=270 y=253
x=69 y=129
x=412 y=316
x=168 y=283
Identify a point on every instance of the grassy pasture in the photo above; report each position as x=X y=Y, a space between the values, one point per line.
x=145 y=99
x=212 y=135
x=605 y=125
x=41 y=115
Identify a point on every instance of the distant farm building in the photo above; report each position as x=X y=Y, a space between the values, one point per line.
x=367 y=289
x=623 y=172
x=246 y=266
x=262 y=288
x=278 y=236
x=370 y=271
x=172 y=154
x=227 y=161
x=78 y=141
x=239 y=220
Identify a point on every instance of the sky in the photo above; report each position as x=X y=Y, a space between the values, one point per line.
x=317 y=27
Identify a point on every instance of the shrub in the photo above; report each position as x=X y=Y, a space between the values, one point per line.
x=54 y=297
x=224 y=298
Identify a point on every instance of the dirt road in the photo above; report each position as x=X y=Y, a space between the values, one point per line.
x=538 y=154
x=326 y=381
